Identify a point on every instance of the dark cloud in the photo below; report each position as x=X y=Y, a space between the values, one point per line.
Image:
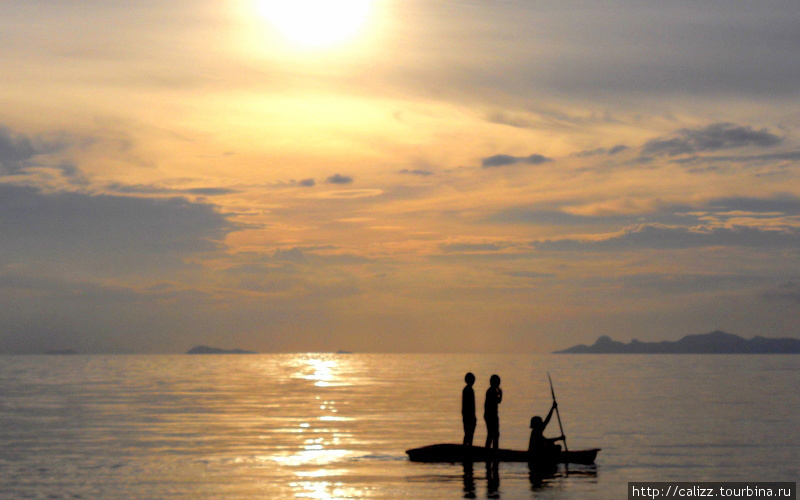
x=783 y=204
x=530 y=274
x=72 y=172
x=665 y=213
x=630 y=53
x=503 y=118
x=17 y=151
x=294 y=255
x=210 y=191
x=416 y=172
x=759 y=158
x=339 y=179
x=151 y=189
x=676 y=49
x=545 y=215
x=470 y=247
x=688 y=282
x=504 y=160
x=714 y=137
x=68 y=225
x=786 y=292
x=306 y=182
x=62 y=288
x=342 y=259
x=619 y=148
x=660 y=236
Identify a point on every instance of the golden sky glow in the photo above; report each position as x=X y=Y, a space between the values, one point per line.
x=316 y=23
x=376 y=175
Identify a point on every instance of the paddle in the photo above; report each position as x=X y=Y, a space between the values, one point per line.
x=553 y=393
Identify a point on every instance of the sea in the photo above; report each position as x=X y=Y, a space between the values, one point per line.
x=330 y=426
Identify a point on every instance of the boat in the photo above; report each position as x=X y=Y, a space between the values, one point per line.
x=459 y=453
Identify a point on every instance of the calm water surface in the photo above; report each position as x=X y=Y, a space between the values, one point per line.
x=336 y=426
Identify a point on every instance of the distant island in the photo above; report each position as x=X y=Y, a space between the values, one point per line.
x=716 y=342
x=203 y=349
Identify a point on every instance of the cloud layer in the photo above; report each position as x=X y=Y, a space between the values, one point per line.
x=510 y=176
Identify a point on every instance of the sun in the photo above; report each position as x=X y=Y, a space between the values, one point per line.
x=316 y=23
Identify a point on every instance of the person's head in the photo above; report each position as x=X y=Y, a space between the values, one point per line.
x=469 y=378
x=536 y=422
x=494 y=381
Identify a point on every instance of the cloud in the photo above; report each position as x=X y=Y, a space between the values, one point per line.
x=62 y=288
x=504 y=160
x=714 y=137
x=619 y=148
x=470 y=247
x=210 y=191
x=504 y=118
x=416 y=172
x=294 y=255
x=72 y=172
x=15 y=150
x=306 y=182
x=563 y=214
x=74 y=226
x=664 y=237
x=350 y=194
x=540 y=216
x=784 y=204
x=788 y=156
x=117 y=187
x=621 y=213
x=339 y=179
x=530 y=274
x=786 y=292
x=679 y=283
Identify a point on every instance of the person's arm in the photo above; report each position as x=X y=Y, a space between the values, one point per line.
x=549 y=415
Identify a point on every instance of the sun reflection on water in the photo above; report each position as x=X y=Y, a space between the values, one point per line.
x=315 y=455
x=324 y=490
x=319 y=443
x=323 y=371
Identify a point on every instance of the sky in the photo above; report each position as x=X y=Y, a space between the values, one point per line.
x=396 y=176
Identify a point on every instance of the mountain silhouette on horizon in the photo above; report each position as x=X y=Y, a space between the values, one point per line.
x=716 y=342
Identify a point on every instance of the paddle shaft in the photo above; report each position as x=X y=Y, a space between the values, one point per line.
x=558 y=414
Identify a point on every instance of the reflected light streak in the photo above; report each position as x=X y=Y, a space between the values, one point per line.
x=325 y=490
x=323 y=373
x=312 y=457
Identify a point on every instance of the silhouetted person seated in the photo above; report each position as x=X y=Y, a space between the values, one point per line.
x=468 y=409
x=494 y=395
x=539 y=446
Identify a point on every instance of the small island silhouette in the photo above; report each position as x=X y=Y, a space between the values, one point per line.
x=203 y=349
x=716 y=342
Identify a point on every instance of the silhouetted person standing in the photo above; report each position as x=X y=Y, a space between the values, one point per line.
x=468 y=409
x=494 y=395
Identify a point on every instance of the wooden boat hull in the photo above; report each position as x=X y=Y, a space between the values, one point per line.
x=459 y=453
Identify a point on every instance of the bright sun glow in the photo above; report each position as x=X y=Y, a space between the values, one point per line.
x=316 y=23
